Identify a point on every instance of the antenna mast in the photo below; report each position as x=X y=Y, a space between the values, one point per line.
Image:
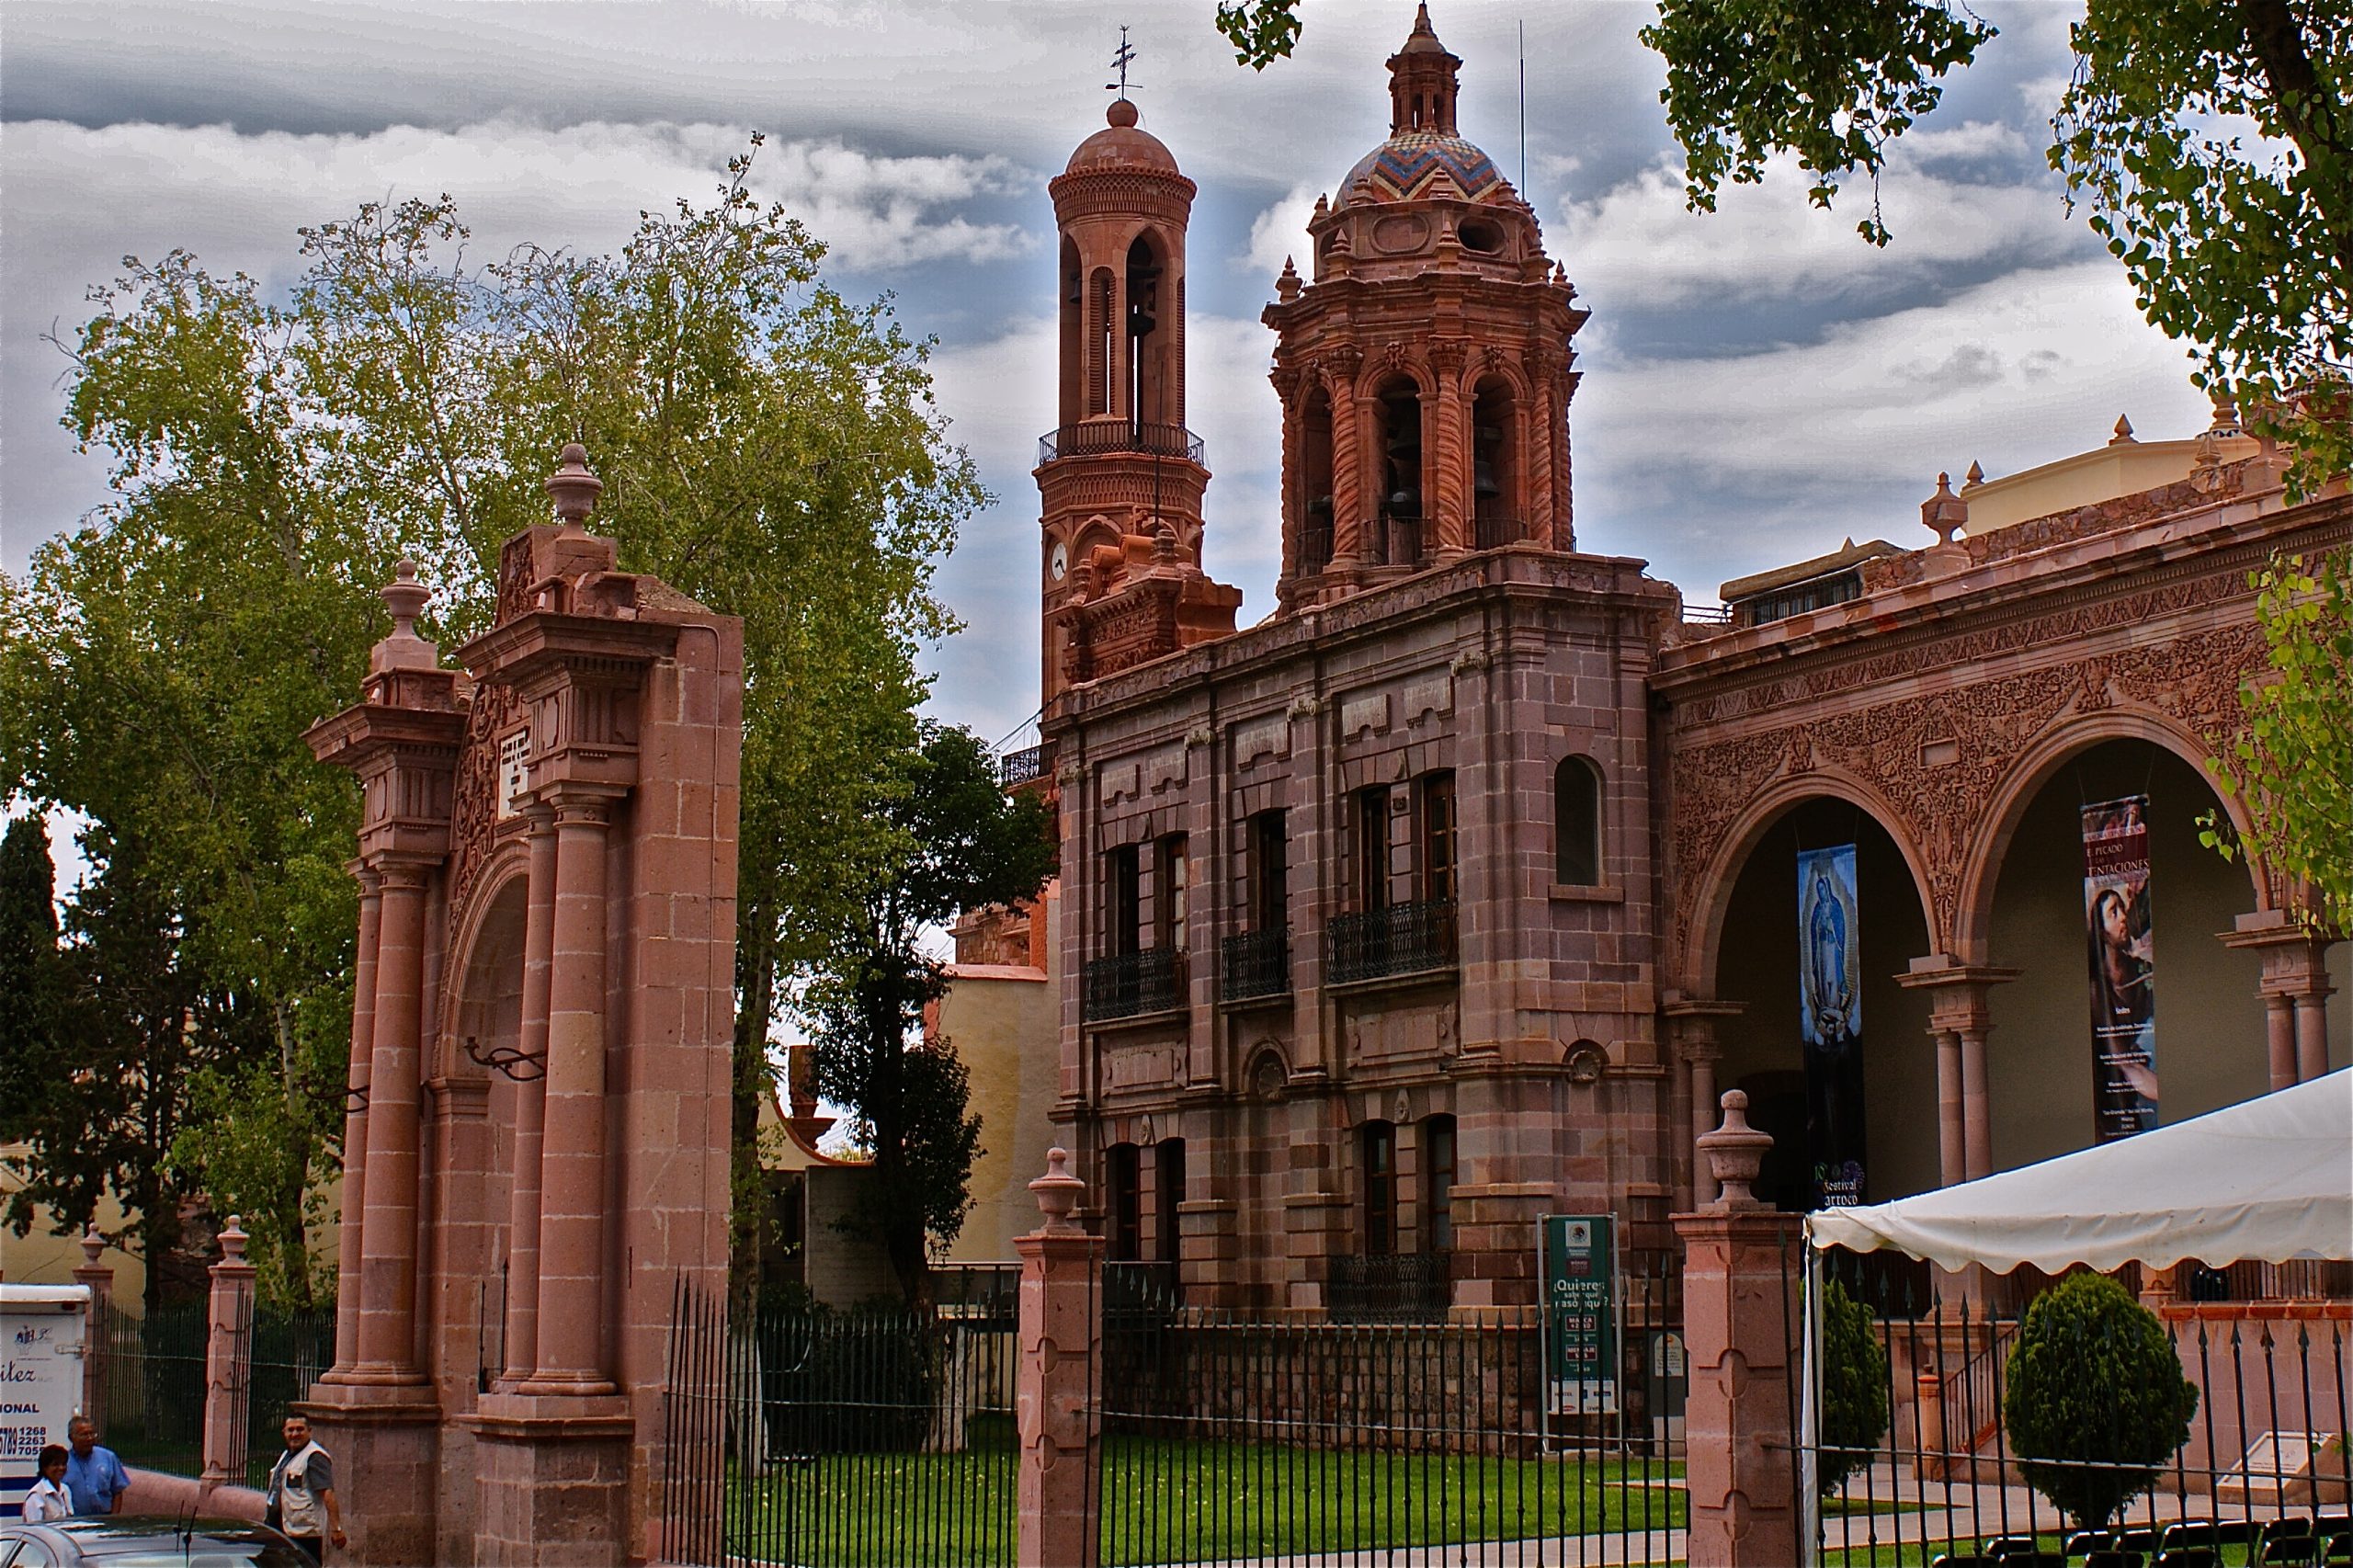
x=1523 y=109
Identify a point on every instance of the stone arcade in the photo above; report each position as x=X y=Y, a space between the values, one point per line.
x=537 y=1136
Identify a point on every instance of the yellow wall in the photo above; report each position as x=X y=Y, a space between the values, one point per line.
x=1005 y=1023
x=41 y=1258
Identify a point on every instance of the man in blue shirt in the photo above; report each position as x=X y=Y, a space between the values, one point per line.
x=93 y=1474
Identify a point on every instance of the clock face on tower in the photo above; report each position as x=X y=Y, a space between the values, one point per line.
x=1059 y=563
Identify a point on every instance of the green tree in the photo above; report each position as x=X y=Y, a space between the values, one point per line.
x=2292 y=766
x=2097 y=1402
x=1854 y=1388
x=768 y=447
x=2212 y=146
x=958 y=842
x=29 y=974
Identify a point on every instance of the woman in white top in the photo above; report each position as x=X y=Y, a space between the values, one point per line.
x=49 y=1500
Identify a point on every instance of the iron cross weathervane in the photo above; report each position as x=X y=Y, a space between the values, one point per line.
x=1119 y=61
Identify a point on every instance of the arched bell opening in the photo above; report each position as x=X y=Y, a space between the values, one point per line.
x=1102 y=356
x=1071 y=289
x=1150 y=340
x=1498 y=498
x=1868 y=1080
x=2126 y=951
x=1397 y=451
x=1315 y=480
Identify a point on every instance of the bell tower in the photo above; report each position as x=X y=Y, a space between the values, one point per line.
x=1425 y=370
x=1119 y=477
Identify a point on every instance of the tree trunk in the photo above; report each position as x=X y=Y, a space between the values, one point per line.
x=747 y=1182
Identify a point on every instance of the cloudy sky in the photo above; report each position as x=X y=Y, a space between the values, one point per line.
x=1759 y=384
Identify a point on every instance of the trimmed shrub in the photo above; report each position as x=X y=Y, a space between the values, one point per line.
x=1854 y=1388
x=2097 y=1402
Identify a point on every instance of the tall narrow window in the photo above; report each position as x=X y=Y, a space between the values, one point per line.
x=1168 y=1191
x=1437 y=1184
x=1437 y=845
x=1379 y=1151
x=1372 y=847
x=1576 y=822
x=1099 y=356
x=1168 y=892
x=1147 y=386
x=1122 y=1234
x=1269 y=872
x=1315 y=480
x=1123 y=898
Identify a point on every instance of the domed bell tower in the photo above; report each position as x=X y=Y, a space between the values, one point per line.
x=1426 y=371
x=1120 y=478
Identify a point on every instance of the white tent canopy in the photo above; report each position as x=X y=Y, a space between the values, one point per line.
x=2267 y=1180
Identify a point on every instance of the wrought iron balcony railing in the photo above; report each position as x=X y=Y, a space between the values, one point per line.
x=1404 y=938
x=1096 y=436
x=1494 y=533
x=1127 y=985
x=1412 y=1286
x=1255 y=963
x=1021 y=766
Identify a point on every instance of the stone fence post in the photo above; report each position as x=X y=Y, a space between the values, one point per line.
x=228 y=1361
x=1060 y=1337
x=1742 y=1333
x=99 y=1278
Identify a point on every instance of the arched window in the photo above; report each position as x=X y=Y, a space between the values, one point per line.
x=1576 y=822
x=1315 y=480
x=1099 y=358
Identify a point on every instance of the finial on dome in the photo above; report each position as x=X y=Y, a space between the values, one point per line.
x=571 y=487
x=1120 y=113
x=1975 y=476
x=1422 y=29
x=2123 y=432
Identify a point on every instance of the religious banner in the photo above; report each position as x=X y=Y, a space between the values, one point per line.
x=1830 y=1021
x=2124 y=1002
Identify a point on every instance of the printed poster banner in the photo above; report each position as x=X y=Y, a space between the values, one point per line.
x=1580 y=1272
x=2123 y=963
x=1830 y=1022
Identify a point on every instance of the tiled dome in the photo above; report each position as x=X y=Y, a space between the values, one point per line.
x=1122 y=145
x=1404 y=168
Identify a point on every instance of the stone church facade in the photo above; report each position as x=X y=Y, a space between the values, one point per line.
x=1427 y=906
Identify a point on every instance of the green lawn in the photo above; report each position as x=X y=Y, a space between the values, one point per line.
x=1188 y=1501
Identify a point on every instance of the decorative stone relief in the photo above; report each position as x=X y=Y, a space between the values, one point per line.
x=1164 y=769
x=1360 y=713
x=1121 y=781
x=1434 y=694
x=1269 y=737
x=1140 y=1065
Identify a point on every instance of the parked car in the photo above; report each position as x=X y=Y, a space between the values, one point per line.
x=151 y=1540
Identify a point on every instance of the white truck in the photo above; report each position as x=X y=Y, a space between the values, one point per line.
x=44 y=1337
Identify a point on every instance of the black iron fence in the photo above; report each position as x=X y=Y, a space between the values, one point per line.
x=1226 y=1438
x=1928 y=1448
x=1414 y=1287
x=149 y=1401
x=1404 y=938
x=843 y=1438
x=1126 y=986
x=287 y=1353
x=1255 y=964
x=1096 y=436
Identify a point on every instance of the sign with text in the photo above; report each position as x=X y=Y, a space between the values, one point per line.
x=1580 y=1275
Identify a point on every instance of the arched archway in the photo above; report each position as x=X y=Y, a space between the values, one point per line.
x=1754 y=925
x=2028 y=911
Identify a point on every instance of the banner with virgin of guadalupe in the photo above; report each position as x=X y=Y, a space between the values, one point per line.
x=1830 y=1021
x=2123 y=962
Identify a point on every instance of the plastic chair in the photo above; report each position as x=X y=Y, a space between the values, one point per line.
x=2339 y=1549
x=2287 y=1551
x=1970 y=1560
x=2099 y=1557
x=2187 y=1532
x=2084 y=1542
x=2001 y=1549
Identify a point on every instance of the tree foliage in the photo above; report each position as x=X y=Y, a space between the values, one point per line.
x=768 y=447
x=958 y=842
x=2292 y=766
x=2096 y=1401
x=2212 y=146
x=1854 y=1388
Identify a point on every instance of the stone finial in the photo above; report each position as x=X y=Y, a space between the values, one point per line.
x=1944 y=512
x=2226 y=413
x=571 y=487
x=2123 y=432
x=233 y=1239
x=1974 y=477
x=1323 y=204
x=93 y=1244
x=403 y=649
x=1287 y=282
x=1736 y=1152
x=1058 y=1191
x=1164 y=543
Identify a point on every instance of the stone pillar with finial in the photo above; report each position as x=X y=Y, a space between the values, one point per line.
x=1061 y=1338
x=228 y=1361
x=1945 y=515
x=98 y=1279
x=1740 y=1268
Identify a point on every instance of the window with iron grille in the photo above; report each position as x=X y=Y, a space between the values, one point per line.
x=1379 y=1151
x=1437 y=1184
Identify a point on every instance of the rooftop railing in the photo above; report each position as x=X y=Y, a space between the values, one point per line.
x=1096 y=436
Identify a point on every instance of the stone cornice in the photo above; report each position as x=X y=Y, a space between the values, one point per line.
x=516 y=650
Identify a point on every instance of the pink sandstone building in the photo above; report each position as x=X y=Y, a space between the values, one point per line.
x=1453 y=892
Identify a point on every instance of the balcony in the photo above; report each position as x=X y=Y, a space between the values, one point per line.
x=1255 y=964
x=1412 y=1287
x=1494 y=533
x=1099 y=436
x=1404 y=938
x=1127 y=985
x=1026 y=765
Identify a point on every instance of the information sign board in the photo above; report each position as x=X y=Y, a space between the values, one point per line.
x=1580 y=1275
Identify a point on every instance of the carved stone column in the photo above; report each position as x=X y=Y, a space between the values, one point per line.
x=522 y=1348
x=1350 y=486
x=2295 y=989
x=355 y=1115
x=1450 y=507
x=1958 y=1021
x=387 y=1338
x=1691 y=1026
x=571 y=1157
